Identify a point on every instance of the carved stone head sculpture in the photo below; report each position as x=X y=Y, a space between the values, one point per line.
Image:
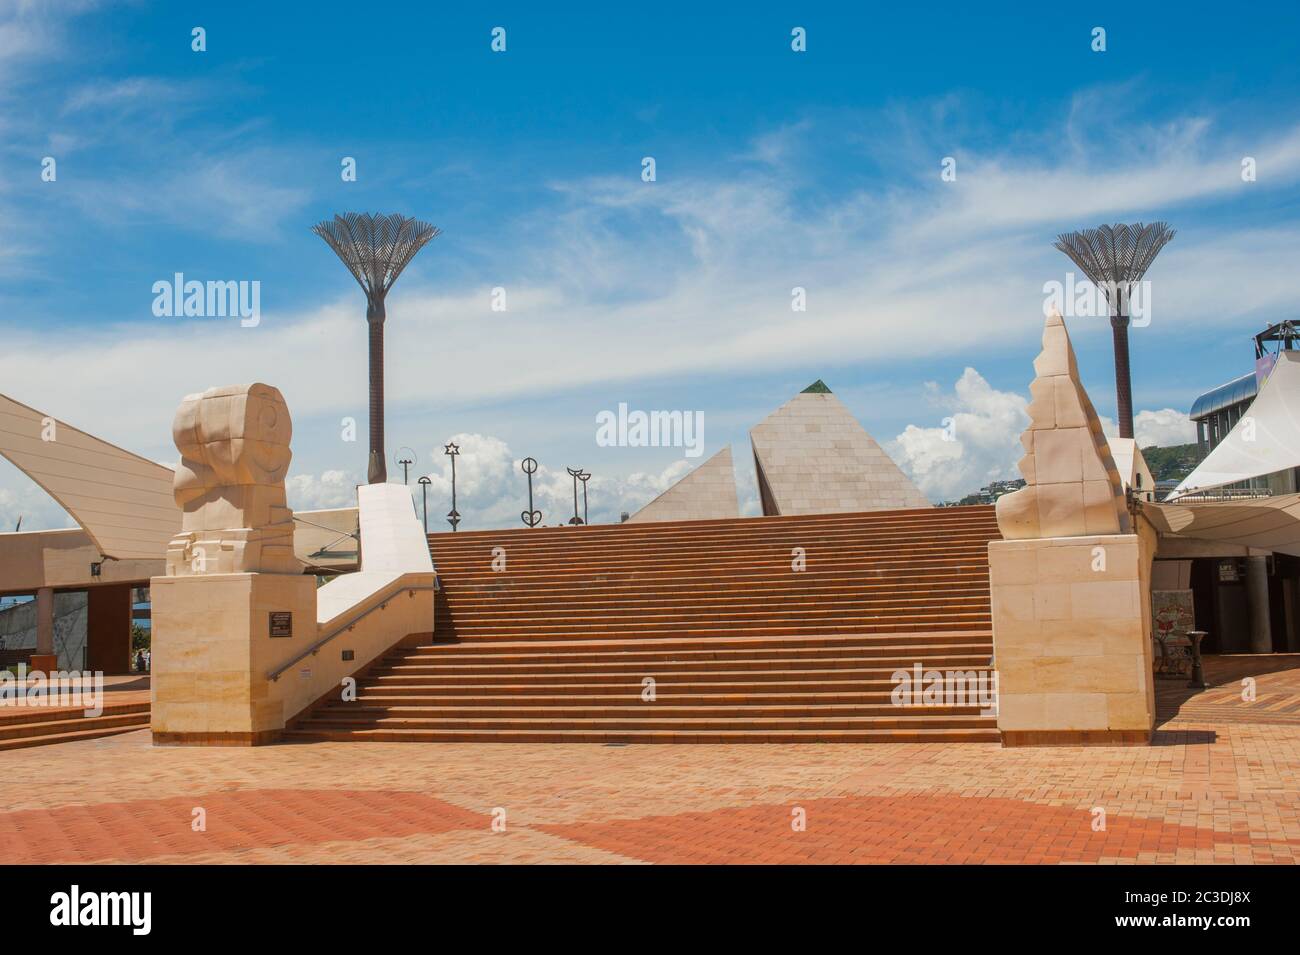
x=234 y=445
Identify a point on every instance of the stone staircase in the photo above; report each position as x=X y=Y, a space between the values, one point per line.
x=23 y=726
x=695 y=631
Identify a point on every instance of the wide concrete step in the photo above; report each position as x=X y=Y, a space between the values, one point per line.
x=780 y=695
x=635 y=668
x=809 y=682
x=719 y=554
x=919 y=735
x=883 y=623
x=618 y=659
x=591 y=592
x=741 y=609
x=882 y=656
x=592 y=649
x=661 y=709
x=38 y=714
x=601 y=592
x=749 y=723
x=68 y=731
x=668 y=567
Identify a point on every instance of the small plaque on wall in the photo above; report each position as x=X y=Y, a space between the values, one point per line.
x=281 y=623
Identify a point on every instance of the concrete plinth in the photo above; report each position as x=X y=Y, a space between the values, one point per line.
x=212 y=650
x=1071 y=640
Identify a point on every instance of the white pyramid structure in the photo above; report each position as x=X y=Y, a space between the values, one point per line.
x=707 y=493
x=812 y=457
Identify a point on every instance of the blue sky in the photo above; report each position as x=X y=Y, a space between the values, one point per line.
x=775 y=169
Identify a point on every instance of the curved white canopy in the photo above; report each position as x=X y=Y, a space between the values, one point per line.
x=1268 y=523
x=123 y=501
x=1266 y=439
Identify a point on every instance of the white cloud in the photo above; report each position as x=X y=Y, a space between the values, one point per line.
x=1162 y=429
x=20 y=498
x=309 y=492
x=979 y=443
x=986 y=425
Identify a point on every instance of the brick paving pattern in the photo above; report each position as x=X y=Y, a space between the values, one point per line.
x=1220 y=784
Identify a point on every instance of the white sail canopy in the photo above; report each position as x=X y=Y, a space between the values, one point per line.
x=1265 y=440
x=123 y=501
x=1268 y=523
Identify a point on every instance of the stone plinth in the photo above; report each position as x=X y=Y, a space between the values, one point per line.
x=1071 y=640
x=209 y=683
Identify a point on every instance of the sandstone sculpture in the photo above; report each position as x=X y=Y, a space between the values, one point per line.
x=1073 y=488
x=234 y=445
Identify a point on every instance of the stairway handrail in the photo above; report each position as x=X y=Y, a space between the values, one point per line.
x=387 y=594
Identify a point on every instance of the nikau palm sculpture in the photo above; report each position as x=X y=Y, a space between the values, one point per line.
x=375 y=248
x=1115 y=257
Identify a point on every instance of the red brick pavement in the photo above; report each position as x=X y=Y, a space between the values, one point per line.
x=1222 y=784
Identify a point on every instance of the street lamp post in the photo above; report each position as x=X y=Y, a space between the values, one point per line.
x=375 y=248
x=576 y=473
x=452 y=450
x=530 y=517
x=405 y=458
x=1115 y=258
x=424 y=483
x=584 y=477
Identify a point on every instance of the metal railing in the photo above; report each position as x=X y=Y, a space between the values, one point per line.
x=312 y=650
x=1221 y=494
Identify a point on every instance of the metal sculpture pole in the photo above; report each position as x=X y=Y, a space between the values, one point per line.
x=584 y=477
x=405 y=464
x=453 y=516
x=375 y=248
x=530 y=517
x=424 y=483
x=1115 y=257
x=576 y=473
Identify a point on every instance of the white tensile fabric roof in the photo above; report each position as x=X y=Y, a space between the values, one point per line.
x=1266 y=439
x=1269 y=523
x=123 y=501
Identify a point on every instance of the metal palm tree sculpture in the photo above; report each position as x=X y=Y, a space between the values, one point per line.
x=375 y=248
x=1115 y=257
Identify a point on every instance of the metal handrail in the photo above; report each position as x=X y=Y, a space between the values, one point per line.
x=312 y=650
x=355 y=535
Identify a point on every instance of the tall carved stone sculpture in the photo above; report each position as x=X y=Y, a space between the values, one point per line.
x=241 y=635
x=1070 y=581
x=234 y=445
x=234 y=602
x=1072 y=485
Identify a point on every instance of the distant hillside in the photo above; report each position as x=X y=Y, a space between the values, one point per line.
x=1172 y=464
x=1166 y=464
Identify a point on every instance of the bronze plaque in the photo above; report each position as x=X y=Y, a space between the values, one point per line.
x=281 y=623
